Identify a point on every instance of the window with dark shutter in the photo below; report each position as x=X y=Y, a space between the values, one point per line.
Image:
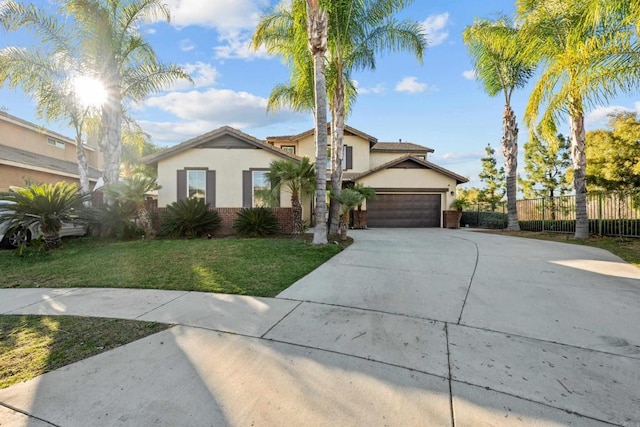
x=348 y=157
x=181 y=183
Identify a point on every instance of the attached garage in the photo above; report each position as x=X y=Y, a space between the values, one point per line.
x=404 y=210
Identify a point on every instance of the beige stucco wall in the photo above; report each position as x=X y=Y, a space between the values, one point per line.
x=228 y=164
x=418 y=179
x=306 y=147
x=12 y=176
x=378 y=158
x=24 y=138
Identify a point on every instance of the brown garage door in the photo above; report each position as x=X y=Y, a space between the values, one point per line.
x=404 y=210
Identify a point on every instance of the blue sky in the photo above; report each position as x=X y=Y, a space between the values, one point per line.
x=437 y=104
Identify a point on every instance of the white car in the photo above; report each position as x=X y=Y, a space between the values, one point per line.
x=14 y=239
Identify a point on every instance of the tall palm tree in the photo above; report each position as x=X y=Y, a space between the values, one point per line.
x=46 y=205
x=49 y=76
x=358 y=31
x=107 y=41
x=317 y=23
x=299 y=178
x=493 y=46
x=123 y=60
x=557 y=38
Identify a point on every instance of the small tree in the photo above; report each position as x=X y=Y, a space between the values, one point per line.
x=348 y=199
x=300 y=180
x=367 y=193
x=47 y=205
x=493 y=179
x=133 y=191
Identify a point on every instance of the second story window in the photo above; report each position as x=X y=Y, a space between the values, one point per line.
x=291 y=149
x=344 y=158
x=55 y=143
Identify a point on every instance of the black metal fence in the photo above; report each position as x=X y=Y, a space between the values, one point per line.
x=610 y=214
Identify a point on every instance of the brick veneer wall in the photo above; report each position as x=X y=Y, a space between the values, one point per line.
x=229 y=215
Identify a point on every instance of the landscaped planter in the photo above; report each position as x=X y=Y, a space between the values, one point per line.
x=451 y=219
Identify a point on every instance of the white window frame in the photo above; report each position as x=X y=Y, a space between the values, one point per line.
x=291 y=149
x=55 y=143
x=204 y=181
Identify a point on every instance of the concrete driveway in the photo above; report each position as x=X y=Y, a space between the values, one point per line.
x=406 y=327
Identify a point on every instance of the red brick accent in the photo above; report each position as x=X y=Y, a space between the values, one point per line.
x=451 y=219
x=229 y=215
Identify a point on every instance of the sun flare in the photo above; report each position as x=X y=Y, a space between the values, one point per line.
x=89 y=91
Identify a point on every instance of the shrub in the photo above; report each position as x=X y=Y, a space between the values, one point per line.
x=253 y=222
x=189 y=218
x=116 y=221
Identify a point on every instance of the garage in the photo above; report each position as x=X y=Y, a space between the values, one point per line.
x=404 y=211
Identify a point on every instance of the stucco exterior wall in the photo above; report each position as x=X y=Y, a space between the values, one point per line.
x=378 y=158
x=228 y=164
x=19 y=177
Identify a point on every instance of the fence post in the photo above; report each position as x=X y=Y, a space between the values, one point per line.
x=600 y=214
x=543 y=211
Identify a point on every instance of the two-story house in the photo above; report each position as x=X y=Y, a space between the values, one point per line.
x=30 y=153
x=227 y=168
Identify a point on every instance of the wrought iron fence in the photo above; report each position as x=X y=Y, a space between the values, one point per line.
x=610 y=214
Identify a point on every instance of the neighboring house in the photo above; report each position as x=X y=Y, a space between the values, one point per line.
x=32 y=154
x=226 y=167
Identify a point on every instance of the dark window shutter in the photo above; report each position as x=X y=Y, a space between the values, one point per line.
x=247 y=189
x=182 y=185
x=349 y=156
x=211 y=188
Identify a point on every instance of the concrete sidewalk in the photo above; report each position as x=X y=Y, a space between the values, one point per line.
x=405 y=327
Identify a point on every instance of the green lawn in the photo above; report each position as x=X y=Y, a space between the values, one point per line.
x=33 y=345
x=258 y=267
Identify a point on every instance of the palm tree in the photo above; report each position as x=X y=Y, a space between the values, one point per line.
x=493 y=47
x=357 y=32
x=299 y=178
x=124 y=61
x=45 y=205
x=317 y=23
x=133 y=190
x=108 y=42
x=48 y=76
x=347 y=199
x=367 y=193
x=557 y=38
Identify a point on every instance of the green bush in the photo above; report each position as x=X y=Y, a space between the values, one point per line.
x=116 y=221
x=484 y=219
x=188 y=218
x=253 y=222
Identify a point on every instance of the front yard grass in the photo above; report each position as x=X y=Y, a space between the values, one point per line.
x=257 y=267
x=628 y=248
x=33 y=345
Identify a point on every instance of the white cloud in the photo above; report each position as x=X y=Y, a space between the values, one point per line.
x=600 y=114
x=186 y=45
x=412 y=85
x=203 y=75
x=150 y=30
x=204 y=111
x=219 y=14
x=469 y=74
x=460 y=157
x=436 y=28
x=375 y=90
x=237 y=45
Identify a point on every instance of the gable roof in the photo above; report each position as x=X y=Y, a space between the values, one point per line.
x=347 y=128
x=428 y=165
x=209 y=136
x=27 y=158
x=401 y=147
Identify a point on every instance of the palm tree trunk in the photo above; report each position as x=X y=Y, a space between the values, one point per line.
x=510 y=151
x=344 y=226
x=337 y=142
x=296 y=207
x=317 y=26
x=51 y=240
x=578 y=138
x=111 y=137
x=83 y=167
